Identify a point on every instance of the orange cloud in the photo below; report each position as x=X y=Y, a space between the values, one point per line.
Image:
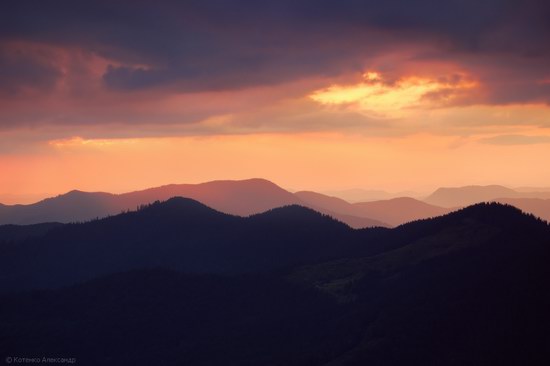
x=78 y=142
x=392 y=99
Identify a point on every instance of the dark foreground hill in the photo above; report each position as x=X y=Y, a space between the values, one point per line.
x=179 y=234
x=475 y=292
x=22 y=232
x=289 y=287
x=159 y=317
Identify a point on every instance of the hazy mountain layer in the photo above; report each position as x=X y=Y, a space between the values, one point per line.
x=465 y=196
x=244 y=198
x=254 y=196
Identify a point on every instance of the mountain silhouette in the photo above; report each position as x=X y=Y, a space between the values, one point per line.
x=252 y=196
x=532 y=189
x=234 y=197
x=286 y=287
x=536 y=206
x=332 y=203
x=183 y=234
x=244 y=198
x=400 y=210
x=392 y=212
x=356 y=195
x=180 y=234
x=360 y=195
x=339 y=209
x=471 y=292
x=72 y=206
x=465 y=196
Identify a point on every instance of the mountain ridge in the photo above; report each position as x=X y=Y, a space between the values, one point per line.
x=256 y=195
x=467 y=195
x=236 y=197
x=431 y=292
x=180 y=233
x=186 y=235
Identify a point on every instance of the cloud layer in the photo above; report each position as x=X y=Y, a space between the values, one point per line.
x=139 y=63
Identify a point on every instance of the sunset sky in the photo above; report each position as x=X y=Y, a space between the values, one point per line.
x=396 y=95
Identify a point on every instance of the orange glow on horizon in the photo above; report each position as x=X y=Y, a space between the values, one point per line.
x=313 y=161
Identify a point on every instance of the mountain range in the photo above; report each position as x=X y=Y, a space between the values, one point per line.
x=252 y=196
x=180 y=234
x=468 y=195
x=355 y=195
x=243 y=198
x=177 y=281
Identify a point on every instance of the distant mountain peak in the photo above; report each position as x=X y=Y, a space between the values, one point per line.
x=176 y=202
x=75 y=191
x=293 y=209
x=179 y=208
x=298 y=214
x=475 y=187
x=490 y=207
x=256 y=180
x=235 y=197
x=468 y=195
x=249 y=181
x=71 y=193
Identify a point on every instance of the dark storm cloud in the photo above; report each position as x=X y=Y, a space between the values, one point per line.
x=218 y=44
x=21 y=70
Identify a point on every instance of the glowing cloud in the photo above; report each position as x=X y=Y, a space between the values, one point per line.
x=77 y=142
x=373 y=95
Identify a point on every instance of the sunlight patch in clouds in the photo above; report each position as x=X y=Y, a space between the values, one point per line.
x=385 y=99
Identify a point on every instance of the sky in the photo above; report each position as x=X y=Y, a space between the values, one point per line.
x=320 y=95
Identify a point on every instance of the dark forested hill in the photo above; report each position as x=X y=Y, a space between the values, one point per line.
x=469 y=288
x=287 y=287
x=179 y=234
